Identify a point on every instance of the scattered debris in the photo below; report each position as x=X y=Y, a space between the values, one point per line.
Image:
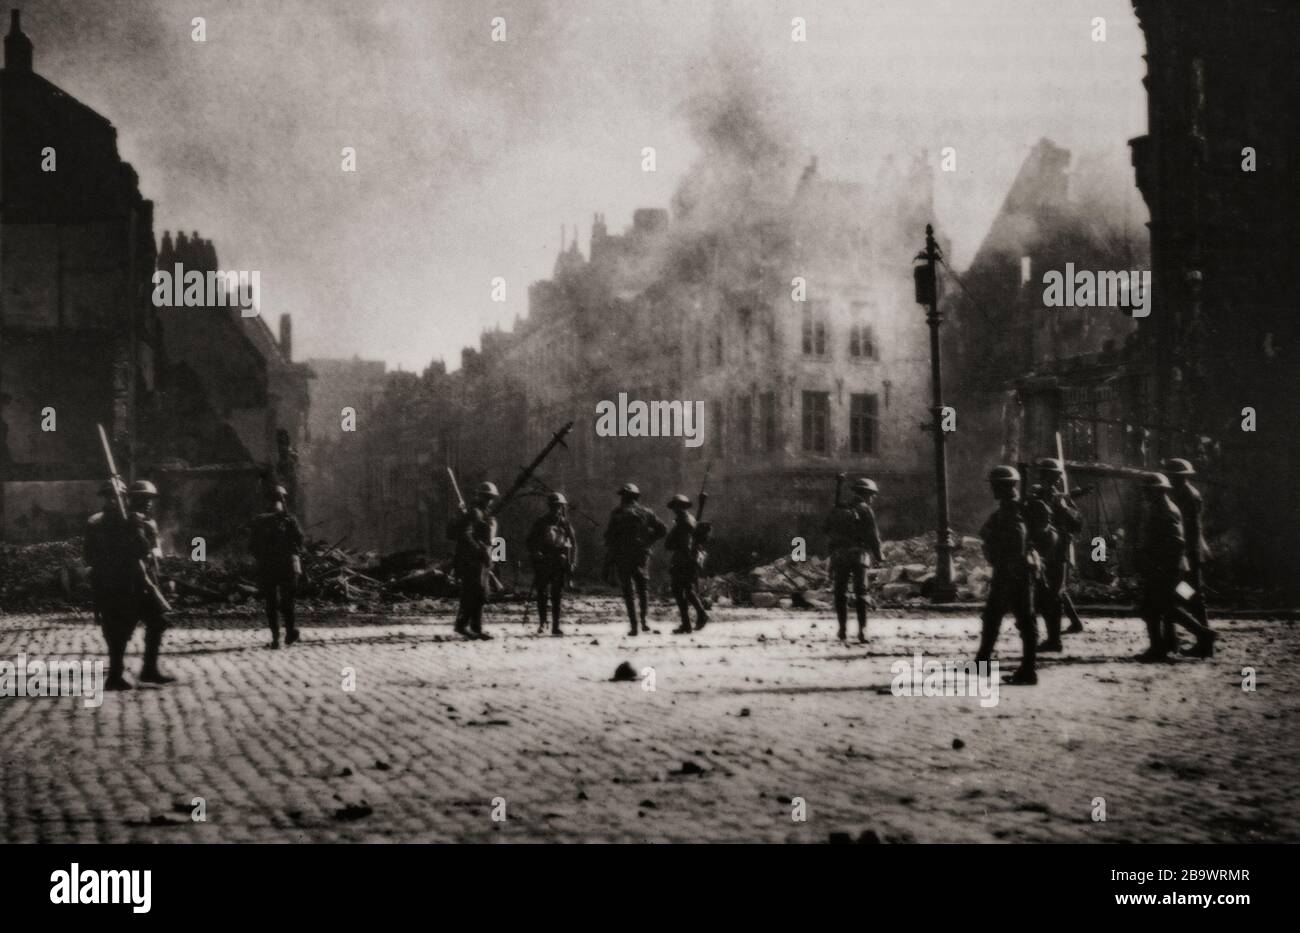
x=356 y=811
x=624 y=672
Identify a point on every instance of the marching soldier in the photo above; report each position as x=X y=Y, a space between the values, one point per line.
x=114 y=547
x=684 y=567
x=140 y=500
x=632 y=531
x=1188 y=499
x=1064 y=516
x=1161 y=561
x=1007 y=549
x=474 y=531
x=276 y=543
x=553 y=547
x=854 y=542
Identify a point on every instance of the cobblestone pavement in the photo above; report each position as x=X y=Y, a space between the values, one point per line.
x=757 y=711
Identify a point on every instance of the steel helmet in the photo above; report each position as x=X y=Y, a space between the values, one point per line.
x=487 y=489
x=629 y=489
x=277 y=492
x=108 y=489
x=679 y=502
x=142 y=487
x=1048 y=465
x=1177 y=466
x=865 y=485
x=1158 y=481
x=557 y=498
x=1004 y=474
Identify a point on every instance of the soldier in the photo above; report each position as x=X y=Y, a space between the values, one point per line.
x=1161 y=562
x=1052 y=598
x=1008 y=551
x=553 y=547
x=632 y=531
x=854 y=542
x=474 y=531
x=114 y=547
x=276 y=543
x=684 y=567
x=1188 y=499
x=140 y=500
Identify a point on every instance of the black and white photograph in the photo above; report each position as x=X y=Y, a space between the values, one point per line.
x=446 y=422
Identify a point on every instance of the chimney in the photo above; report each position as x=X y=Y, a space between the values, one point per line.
x=286 y=337
x=18 y=48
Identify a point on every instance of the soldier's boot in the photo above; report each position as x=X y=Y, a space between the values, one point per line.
x=1158 y=650
x=1204 y=647
x=645 y=624
x=1025 y=674
x=290 y=626
x=988 y=638
x=273 y=620
x=701 y=614
x=684 y=609
x=149 y=672
x=117 y=670
x=1067 y=604
x=862 y=620
x=1051 y=622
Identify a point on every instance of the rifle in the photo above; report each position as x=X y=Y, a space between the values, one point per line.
x=150 y=586
x=703 y=497
x=526 y=473
x=839 y=486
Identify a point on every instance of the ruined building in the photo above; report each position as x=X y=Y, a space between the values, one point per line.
x=80 y=342
x=1212 y=374
x=205 y=404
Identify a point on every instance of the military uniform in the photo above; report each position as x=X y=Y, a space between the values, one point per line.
x=474 y=531
x=1056 y=558
x=684 y=565
x=276 y=543
x=631 y=533
x=553 y=547
x=124 y=593
x=151 y=613
x=1010 y=554
x=854 y=540
x=1162 y=561
x=113 y=548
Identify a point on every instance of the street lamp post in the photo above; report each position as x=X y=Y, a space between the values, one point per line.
x=942 y=588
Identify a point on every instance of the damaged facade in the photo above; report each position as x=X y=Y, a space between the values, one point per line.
x=201 y=404
x=1210 y=375
x=793 y=391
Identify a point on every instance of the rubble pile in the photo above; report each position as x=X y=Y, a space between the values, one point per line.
x=53 y=576
x=903 y=579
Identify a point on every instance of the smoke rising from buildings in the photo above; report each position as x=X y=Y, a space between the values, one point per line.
x=471 y=153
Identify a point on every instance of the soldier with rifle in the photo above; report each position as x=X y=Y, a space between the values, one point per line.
x=1064 y=518
x=473 y=531
x=854 y=541
x=122 y=550
x=553 y=548
x=1008 y=549
x=684 y=565
x=276 y=543
x=631 y=533
x=1162 y=559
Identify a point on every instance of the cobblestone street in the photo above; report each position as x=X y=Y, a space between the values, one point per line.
x=747 y=716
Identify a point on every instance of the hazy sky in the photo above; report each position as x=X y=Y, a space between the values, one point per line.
x=472 y=153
